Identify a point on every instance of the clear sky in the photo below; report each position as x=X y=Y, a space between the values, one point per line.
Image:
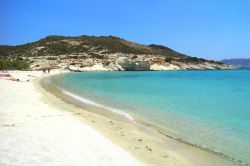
x=212 y=29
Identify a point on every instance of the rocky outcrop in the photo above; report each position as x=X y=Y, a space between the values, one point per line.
x=161 y=67
x=96 y=67
x=125 y=64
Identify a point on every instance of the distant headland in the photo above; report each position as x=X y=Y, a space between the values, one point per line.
x=241 y=62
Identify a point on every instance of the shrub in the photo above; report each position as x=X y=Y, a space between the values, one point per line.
x=51 y=58
x=13 y=65
x=168 y=59
x=5 y=64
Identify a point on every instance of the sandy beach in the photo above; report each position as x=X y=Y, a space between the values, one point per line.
x=39 y=127
x=35 y=133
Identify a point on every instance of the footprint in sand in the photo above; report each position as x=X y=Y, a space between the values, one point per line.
x=165 y=156
x=148 y=148
x=8 y=125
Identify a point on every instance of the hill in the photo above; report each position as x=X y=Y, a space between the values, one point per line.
x=84 y=53
x=241 y=63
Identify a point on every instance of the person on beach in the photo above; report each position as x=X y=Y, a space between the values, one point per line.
x=13 y=79
x=4 y=75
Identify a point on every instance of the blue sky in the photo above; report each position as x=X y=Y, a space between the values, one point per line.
x=212 y=29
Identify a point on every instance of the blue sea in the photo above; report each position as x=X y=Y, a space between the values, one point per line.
x=209 y=109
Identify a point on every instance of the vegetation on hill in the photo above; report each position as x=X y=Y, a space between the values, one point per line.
x=13 y=65
x=95 y=47
x=58 y=45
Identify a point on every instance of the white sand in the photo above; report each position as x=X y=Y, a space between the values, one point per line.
x=34 y=133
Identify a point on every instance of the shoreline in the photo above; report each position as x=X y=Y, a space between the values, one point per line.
x=83 y=102
x=188 y=152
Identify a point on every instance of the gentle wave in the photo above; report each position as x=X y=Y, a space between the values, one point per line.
x=89 y=102
x=206 y=109
x=128 y=116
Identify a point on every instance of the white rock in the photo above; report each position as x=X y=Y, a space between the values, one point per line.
x=96 y=67
x=161 y=67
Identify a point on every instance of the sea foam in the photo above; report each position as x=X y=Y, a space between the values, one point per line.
x=89 y=102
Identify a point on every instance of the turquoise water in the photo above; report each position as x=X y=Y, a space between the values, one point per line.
x=210 y=109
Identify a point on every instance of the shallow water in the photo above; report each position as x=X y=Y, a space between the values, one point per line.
x=210 y=109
